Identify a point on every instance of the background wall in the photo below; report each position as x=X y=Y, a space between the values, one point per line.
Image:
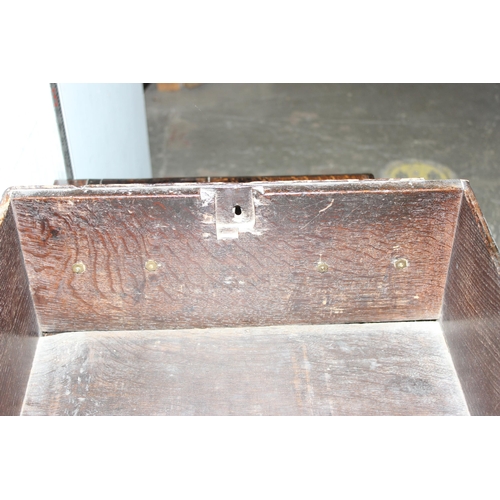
x=106 y=129
x=30 y=151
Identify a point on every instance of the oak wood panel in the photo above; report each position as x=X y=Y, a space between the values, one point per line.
x=368 y=369
x=169 y=180
x=265 y=277
x=471 y=309
x=18 y=324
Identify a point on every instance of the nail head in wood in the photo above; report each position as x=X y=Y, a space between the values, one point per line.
x=79 y=268
x=322 y=267
x=401 y=263
x=151 y=265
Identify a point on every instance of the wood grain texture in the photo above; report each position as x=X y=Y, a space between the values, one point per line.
x=170 y=180
x=471 y=309
x=18 y=324
x=265 y=277
x=369 y=369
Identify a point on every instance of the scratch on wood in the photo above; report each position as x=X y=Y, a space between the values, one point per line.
x=319 y=213
x=326 y=208
x=296 y=383
x=307 y=367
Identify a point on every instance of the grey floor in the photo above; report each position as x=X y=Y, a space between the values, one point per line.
x=271 y=129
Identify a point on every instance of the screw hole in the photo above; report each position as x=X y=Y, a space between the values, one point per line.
x=237 y=210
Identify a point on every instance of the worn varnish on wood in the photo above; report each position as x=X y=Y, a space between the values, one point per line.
x=189 y=290
x=370 y=369
x=265 y=276
x=471 y=309
x=18 y=325
x=199 y=180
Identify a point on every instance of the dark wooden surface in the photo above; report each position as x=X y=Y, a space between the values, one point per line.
x=265 y=277
x=170 y=180
x=369 y=369
x=471 y=310
x=18 y=324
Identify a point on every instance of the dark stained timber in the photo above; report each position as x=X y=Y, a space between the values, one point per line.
x=370 y=369
x=266 y=275
x=170 y=180
x=471 y=309
x=258 y=296
x=18 y=324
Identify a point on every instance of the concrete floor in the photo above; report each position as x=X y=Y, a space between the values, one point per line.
x=271 y=129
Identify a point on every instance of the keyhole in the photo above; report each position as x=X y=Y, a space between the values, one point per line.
x=237 y=210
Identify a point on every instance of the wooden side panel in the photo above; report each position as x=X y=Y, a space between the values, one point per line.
x=369 y=369
x=269 y=275
x=18 y=324
x=471 y=310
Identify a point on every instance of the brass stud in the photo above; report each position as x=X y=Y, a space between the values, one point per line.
x=401 y=263
x=151 y=265
x=322 y=267
x=78 y=268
